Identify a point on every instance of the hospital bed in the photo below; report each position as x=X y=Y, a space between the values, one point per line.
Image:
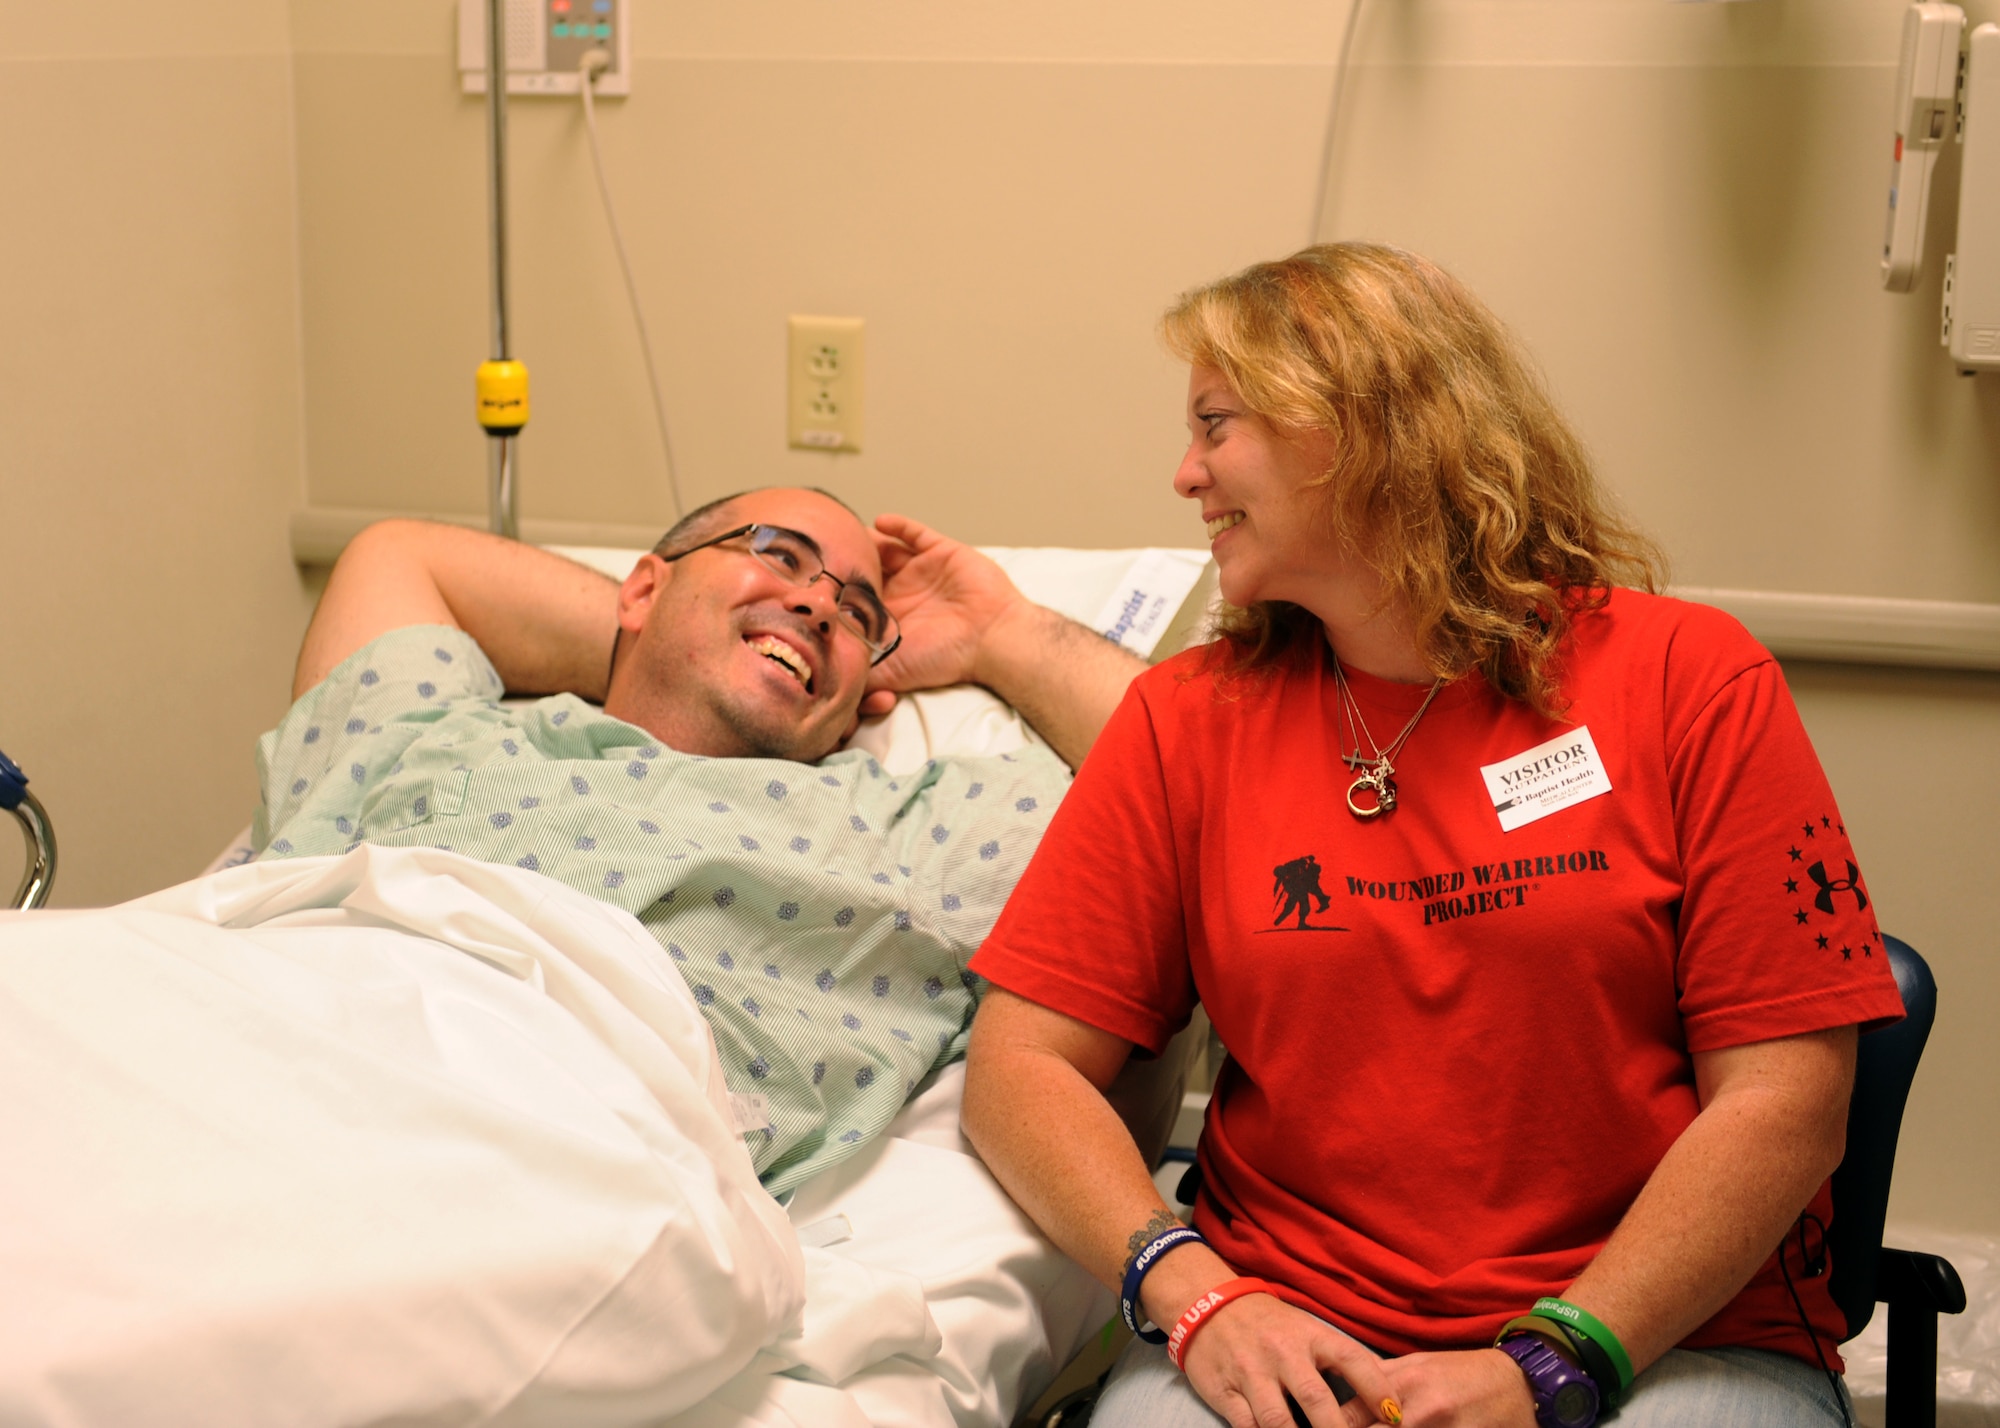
x=900 y=1287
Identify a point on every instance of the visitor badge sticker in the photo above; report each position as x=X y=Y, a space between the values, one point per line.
x=1545 y=779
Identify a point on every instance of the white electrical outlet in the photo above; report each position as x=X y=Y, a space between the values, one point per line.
x=823 y=386
x=546 y=41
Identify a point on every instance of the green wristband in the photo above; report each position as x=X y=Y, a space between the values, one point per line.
x=1592 y=1328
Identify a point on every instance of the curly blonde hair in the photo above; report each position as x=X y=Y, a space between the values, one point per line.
x=1455 y=476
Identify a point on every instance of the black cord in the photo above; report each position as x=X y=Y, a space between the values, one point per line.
x=1812 y=1266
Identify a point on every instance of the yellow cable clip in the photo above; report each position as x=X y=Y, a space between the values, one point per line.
x=503 y=397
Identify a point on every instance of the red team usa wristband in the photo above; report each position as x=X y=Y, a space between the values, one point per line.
x=1203 y=1308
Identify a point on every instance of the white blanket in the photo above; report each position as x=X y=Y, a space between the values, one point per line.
x=403 y=1137
x=919 y=1207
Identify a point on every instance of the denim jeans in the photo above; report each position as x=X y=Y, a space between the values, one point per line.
x=1687 y=1388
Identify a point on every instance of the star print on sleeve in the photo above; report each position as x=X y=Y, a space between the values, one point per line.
x=1831 y=892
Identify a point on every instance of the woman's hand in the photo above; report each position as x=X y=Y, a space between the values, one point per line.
x=1473 y=1388
x=1259 y=1348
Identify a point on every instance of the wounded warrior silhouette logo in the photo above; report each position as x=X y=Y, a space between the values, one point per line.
x=1295 y=888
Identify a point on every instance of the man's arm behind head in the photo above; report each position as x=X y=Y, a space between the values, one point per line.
x=964 y=620
x=546 y=623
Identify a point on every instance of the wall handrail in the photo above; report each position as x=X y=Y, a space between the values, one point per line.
x=1845 y=629
x=1863 y=629
x=320 y=533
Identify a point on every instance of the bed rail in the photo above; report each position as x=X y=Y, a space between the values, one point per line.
x=41 y=870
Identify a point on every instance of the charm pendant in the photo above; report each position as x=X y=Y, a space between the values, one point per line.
x=1375 y=770
x=1377 y=781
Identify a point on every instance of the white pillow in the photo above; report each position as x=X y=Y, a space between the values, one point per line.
x=1131 y=597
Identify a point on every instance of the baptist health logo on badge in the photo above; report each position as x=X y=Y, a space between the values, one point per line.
x=1545 y=779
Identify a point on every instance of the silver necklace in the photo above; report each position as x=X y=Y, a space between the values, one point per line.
x=1377 y=767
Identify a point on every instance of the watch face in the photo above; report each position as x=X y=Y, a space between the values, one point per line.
x=1575 y=1405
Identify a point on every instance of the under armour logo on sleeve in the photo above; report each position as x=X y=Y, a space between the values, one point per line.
x=1828 y=887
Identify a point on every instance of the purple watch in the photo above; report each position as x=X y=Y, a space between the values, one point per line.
x=1565 y=1396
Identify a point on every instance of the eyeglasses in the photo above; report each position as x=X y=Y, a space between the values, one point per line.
x=796 y=559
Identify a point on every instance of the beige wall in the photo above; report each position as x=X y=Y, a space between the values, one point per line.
x=1678 y=205
x=149 y=431
x=1008 y=230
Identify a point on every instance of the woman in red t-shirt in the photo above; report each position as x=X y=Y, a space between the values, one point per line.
x=1539 y=1030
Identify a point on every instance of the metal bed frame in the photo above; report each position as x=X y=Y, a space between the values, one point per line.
x=35 y=826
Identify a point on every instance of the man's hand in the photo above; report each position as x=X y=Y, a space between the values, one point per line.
x=946 y=595
x=964 y=622
x=1259 y=1348
x=1473 y=1388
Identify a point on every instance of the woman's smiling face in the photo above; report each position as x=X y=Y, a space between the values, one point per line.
x=1260 y=498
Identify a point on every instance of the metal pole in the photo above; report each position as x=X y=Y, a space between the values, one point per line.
x=503 y=467
x=503 y=458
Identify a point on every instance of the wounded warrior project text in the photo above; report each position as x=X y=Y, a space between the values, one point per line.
x=1495 y=885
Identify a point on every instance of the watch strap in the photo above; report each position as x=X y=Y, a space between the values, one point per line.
x=1586 y=1351
x=1564 y=1395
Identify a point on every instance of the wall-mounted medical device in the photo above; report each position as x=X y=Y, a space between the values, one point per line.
x=546 y=43
x=1948 y=91
x=1926 y=97
x=1972 y=272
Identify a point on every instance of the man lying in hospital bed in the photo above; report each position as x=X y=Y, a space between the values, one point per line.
x=354 y=1180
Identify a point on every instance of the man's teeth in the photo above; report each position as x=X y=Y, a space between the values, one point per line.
x=1222 y=523
x=785 y=655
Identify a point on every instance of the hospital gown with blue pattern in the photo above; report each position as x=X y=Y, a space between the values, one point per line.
x=823 y=914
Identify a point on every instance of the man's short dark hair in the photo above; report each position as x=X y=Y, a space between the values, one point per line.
x=694 y=527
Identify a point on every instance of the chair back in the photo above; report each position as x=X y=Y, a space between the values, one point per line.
x=1885 y=1064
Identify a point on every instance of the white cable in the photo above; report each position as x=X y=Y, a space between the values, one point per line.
x=588 y=77
x=1332 y=123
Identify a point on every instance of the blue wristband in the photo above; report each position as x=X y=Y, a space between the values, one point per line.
x=1128 y=1299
